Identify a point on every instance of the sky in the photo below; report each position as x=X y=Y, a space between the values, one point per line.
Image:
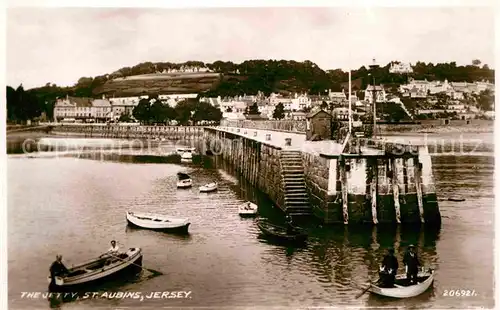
x=60 y=45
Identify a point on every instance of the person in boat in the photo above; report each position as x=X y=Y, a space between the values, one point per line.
x=247 y=207
x=57 y=269
x=290 y=228
x=412 y=263
x=114 y=250
x=389 y=269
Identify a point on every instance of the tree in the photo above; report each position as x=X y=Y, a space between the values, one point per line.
x=253 y=109
x=476 y=62
x=125 y=118
x=142 y=112
x=279 y=111
x=486 y=100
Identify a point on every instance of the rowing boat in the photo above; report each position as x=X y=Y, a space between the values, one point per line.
x=248 y=209
x=98 y=269
x=208 y=187
x=402 y=289
x=280 y=232
x=158 y=222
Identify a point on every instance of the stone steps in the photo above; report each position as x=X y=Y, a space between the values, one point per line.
x=295 y=191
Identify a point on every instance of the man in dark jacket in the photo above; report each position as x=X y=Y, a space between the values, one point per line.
x=389 y=269
x=57 y=269
x=412 y=263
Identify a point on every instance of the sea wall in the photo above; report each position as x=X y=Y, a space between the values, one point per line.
x=353 y=189
x=130 y=132
x=257 y=162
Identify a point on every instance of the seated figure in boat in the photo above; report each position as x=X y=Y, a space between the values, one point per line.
x=112 y=252
x=388 y=269
x=247 y=207
x=290 y=229
x=57 y=269
x=412 y=263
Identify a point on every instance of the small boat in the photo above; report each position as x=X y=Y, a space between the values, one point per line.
x=158 y=222
x=402 y=288
x=248 y=209
x=280 y=232
x=456 y=199
x=210 y=187
x=187 y=157
x=184 y=181
x=99 y=268
x=182 y=150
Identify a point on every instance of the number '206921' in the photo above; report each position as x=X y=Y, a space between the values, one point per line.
x=460 y=293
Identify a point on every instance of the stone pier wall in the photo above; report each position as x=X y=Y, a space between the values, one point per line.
x=258 y=162
x=377 y=189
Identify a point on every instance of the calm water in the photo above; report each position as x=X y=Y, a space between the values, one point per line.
x=75 y=206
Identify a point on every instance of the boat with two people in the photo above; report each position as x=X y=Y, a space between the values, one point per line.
x=158 y=222
x=390 y=284
x=210 y=187
x=248 y=209
x=184 y=180
x=97 y=269
x=402 y=288
x=281 y=233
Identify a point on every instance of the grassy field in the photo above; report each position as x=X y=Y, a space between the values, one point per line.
x=160 y=83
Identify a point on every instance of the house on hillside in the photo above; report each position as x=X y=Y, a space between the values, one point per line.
x=379 y=93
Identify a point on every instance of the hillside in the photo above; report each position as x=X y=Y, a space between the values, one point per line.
x=165 y=83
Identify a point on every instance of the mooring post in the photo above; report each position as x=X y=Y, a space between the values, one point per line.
x=343 y=186
x=395 y=189
x=418 y=186
x=374 y=190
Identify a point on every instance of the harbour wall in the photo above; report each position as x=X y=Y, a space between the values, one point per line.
x=257 y=162
x=130 y=132
x=384 y=188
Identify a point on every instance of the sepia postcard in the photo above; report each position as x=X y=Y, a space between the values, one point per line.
x=256 y=157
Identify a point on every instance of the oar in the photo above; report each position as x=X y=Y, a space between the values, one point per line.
x=155 y=272
x=364 y=291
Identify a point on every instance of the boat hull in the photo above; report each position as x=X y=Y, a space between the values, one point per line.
x=405 y=291
x=248 y=211
x=281 y=236
x=179 y=230
x=185 y=184
x=181 y=227
x=110 y=272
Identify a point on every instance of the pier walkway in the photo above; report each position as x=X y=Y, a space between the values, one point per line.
x=290 y=141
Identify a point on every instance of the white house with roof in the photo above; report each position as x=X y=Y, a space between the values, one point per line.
x=400 y=68
x=102 y=110
x=379 y=93
x=74 y=108
x=300 y=102
x=274 y=99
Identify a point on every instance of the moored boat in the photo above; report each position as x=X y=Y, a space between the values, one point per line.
x=99 y=269
x=158 y=222
x=182 y=150
x=210 y=187
x=280 y=232
x=248 y=209
x=184 y=181
x=402 y=289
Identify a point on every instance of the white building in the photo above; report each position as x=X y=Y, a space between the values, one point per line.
x=379 y=93
x=400 y=68
x=300 y=102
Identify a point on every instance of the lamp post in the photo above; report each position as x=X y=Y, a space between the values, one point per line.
x=373 y=67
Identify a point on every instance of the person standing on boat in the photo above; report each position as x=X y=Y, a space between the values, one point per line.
x=57 y=269
x=412 y=263
x=389 y=268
